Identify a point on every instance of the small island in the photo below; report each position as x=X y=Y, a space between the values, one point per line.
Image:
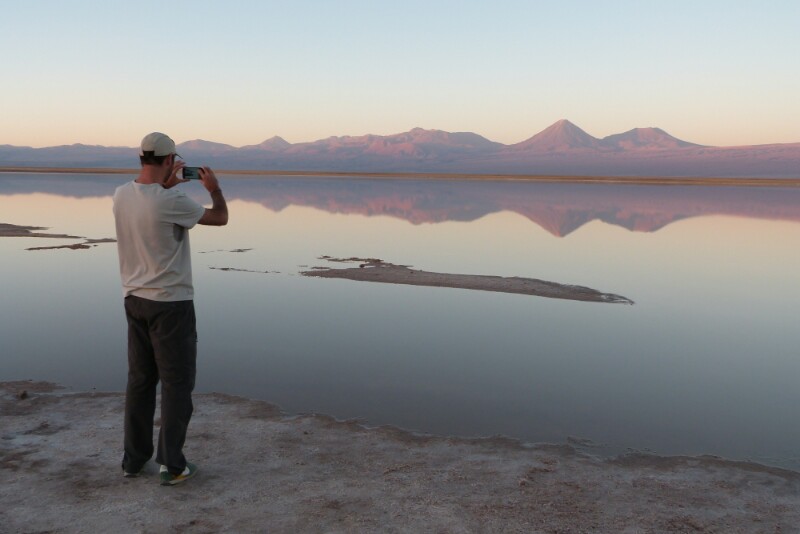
x=13 y=230
x=376 y=270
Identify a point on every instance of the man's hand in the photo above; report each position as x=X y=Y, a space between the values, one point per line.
x=218 y=214
x=173 y=179
x=209 y=179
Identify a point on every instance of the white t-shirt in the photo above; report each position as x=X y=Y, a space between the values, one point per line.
x=153 y=241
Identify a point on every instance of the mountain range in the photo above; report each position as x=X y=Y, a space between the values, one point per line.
x=561 y=149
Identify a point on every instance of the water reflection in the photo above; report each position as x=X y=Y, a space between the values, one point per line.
x=559 y=208
x=704 y=363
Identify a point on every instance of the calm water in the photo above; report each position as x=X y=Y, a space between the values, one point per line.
x=705 y=362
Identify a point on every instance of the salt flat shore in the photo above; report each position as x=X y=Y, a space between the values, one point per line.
x=264 y=471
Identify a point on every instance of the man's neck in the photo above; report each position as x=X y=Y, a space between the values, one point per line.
x=150 y=175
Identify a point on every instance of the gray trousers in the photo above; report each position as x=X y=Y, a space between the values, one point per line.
x=162 y=345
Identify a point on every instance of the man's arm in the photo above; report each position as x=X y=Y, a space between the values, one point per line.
x=217 y=215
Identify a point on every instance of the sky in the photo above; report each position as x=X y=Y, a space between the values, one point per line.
x=238 y=72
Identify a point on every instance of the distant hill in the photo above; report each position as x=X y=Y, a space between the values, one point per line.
x=644 y=139
x=561 y=149
x=560 y=137
x=207 y=147
x=276 y=144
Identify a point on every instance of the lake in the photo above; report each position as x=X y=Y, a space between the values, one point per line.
x=705 y=362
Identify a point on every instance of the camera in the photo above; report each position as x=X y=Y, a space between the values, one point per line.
x=191 y=173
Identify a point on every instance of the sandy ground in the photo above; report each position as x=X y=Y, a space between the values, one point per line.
x=262 y=471
x=376 y=270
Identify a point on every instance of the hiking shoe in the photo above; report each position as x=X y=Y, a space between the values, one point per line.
x=168 y=479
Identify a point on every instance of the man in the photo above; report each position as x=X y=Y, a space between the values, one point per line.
x=153 y=222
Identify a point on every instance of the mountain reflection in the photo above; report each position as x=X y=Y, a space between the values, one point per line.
x=559 y=208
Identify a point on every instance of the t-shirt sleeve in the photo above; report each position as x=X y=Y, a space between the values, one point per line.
x=185 y=211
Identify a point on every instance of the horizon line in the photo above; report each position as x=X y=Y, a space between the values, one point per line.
x=609 y=180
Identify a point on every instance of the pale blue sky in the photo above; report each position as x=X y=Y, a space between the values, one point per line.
x=238 y=72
